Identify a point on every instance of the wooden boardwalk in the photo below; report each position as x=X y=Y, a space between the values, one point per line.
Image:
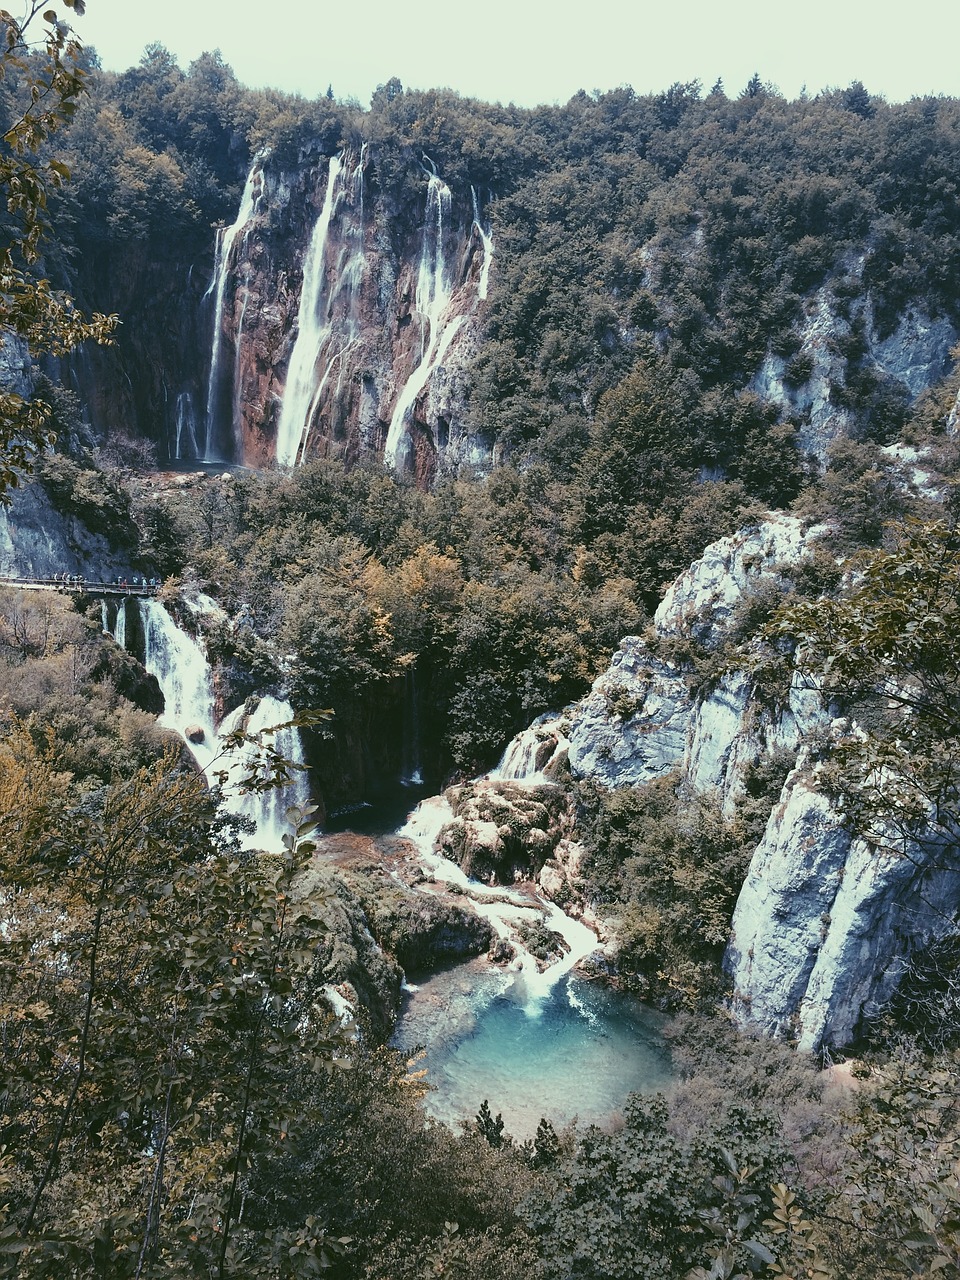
x=76 y=584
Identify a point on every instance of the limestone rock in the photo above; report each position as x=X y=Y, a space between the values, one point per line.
x=504 y=831
x=38 y=541
x=632 y=726
x=824 y=923
x=640 y=721
x=702 y=600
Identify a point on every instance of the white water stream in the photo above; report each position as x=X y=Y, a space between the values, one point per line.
x=313 y=330
x=534 y=1043
x=437 y=330
x=226 y=239
x=180 y=665
x=504 y=908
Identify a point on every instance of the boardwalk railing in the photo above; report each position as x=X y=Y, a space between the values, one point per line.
x=76 y=584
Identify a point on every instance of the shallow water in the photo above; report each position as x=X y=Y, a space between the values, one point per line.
x=575 y=1053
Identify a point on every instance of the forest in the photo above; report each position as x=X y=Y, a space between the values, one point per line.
x=178 y=1096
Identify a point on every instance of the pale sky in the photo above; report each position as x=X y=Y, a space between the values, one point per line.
x=531 y=51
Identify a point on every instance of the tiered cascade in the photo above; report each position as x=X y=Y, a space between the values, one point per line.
x=180 y=664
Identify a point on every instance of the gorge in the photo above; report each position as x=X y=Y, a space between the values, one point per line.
x=560 y=505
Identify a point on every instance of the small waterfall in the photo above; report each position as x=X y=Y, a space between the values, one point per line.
x=412 y=774
x=313 y=330
x=180 y=665
x=267 y=809
x=120 y=631
x=542 y=741
x=504 y=908
x=186 y=444
x=226 y=238
x=183 y=673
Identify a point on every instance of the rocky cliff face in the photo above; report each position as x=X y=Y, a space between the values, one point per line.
x=336 y=323
x=839 y=341
x=824 y=925
x=641 y=720
x=37 y=540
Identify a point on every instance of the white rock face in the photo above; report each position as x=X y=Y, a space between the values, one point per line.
x=16 y=374
x=640 y=720
x=632 y=726
x=953 y=418
x=37 y=541
x=824 y=923
x=702 y=600
x=916 y=354
x=821 y=420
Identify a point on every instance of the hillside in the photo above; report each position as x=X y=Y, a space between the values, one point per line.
x=628 y=427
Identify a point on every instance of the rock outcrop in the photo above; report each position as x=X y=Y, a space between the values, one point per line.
x=809 y=389
x=824 y=924
x=641 y=720
x=37 y=541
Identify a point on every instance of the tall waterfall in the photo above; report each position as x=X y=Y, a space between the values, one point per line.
x=180 y=665
x=226 y=239
x=438 y=328
x=313 y=331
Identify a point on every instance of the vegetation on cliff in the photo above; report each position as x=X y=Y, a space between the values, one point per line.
x=176 y=1096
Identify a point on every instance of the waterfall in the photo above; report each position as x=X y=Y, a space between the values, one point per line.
x=412 y=775
x=183 y=672
x=267 y=809
x=226 y=238
x=313 y=330
x=120 y=632
x=186 y=444
x=434 y=294
x=486 y=241
x=504 y=908
x=542 y=741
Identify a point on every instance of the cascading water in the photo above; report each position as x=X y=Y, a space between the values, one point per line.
x=487 y=241
x=180 y=665
x=266 y=809
x=183 y=673
x=313 y=331
x=542 y=741
x=534 y=1043
x=433 y=295
x=226 y=239
x=120 y=629
x=412 y=775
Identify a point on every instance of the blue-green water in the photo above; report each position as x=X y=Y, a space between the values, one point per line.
x=575 y=1055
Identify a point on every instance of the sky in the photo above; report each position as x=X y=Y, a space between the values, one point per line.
x=531 y=51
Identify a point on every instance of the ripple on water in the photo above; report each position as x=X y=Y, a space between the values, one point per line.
x=575 y=1054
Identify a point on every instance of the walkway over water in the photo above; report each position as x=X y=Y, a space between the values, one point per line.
x=75 y=584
